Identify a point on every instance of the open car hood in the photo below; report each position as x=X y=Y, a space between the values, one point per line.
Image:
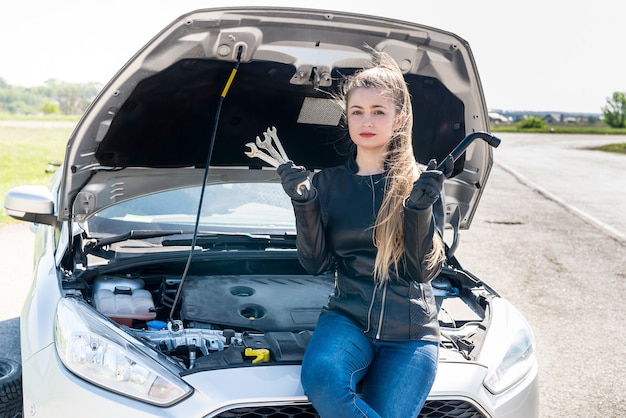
x=150 y=127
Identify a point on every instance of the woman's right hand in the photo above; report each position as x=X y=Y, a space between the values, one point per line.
x=296 y=182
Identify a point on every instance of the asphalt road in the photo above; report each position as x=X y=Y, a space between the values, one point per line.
x=549 y=235
x=16 y=255
x=571 y=171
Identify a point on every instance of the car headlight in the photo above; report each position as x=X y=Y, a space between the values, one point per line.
x=509 y=348
x=101 y=353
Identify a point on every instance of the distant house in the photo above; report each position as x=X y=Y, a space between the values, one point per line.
x=496 y=118
x=552 y=118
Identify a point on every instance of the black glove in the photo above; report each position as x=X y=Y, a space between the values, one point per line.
x=296 y=182
x=448 y=166
x=427 y=187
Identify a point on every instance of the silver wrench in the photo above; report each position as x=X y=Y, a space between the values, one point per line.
x=275 y=158
x=255 y=152
x=272 y=133
x=266 y=144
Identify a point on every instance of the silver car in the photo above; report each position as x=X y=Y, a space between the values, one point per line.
x=166 y=280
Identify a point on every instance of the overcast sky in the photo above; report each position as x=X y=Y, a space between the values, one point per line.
x=548 y=55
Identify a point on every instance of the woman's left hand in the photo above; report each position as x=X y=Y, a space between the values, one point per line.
x=427 y=188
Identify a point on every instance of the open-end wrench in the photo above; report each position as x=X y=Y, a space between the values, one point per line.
x=266 y=144
x=272 y=133
x=255 y=152
x=275 y=158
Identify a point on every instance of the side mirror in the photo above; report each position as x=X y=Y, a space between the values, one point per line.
x=30 y=204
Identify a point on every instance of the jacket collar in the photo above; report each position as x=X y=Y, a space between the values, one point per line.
x=351 y=164
x=353 y=167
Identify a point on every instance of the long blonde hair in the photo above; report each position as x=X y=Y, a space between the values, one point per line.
x=401 y=165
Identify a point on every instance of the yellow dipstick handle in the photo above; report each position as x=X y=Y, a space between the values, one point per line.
x=229 y=82
x=262 y=354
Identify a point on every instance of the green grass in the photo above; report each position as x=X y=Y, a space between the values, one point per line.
x=47 y=118
x=25 y=153
x=617 y=148
x=563 y=129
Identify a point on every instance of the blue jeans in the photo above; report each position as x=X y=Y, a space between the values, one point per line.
x=396 y=376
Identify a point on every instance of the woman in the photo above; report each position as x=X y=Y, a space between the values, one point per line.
x=371 y=221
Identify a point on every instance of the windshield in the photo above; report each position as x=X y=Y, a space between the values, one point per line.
x=261 y=208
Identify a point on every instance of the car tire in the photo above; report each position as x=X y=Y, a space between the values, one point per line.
x=10 y=388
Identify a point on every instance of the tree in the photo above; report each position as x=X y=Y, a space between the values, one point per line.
x=69 y=99
x=532 y=123
x=19 y=100
x=615 y=110
x=73 y=99
x=50 y=108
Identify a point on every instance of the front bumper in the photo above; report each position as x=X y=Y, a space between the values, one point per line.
x=51 y=391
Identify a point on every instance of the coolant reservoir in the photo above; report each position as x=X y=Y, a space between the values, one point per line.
x=123 y=300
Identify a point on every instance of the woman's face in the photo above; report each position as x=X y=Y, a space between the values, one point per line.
x=371 y=118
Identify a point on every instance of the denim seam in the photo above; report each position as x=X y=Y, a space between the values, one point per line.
x=355 y=395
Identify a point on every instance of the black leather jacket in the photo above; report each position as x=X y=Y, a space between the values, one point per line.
x=335 y=232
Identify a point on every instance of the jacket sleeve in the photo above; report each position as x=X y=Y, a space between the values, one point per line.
x=313 y=252
x=419 y=230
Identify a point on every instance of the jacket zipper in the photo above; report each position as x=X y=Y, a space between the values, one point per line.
x=384 y=296
x=369 y=311
x=426 y=306
x=372 y=185
x=382 y=312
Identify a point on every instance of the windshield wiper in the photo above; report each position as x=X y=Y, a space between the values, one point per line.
x=132 y=234
x=237 y=241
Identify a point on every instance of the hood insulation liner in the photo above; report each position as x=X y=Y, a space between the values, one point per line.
x=168 y=119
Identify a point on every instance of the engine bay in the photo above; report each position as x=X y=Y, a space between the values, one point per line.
x=256 y=311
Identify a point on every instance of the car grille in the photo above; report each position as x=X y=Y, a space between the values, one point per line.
x=432 y=409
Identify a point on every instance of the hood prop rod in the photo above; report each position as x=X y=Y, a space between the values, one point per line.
x=455 y=154
x=176 y=324
x=466 y=142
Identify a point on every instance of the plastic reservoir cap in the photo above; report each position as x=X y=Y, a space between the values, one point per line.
x=157 y=325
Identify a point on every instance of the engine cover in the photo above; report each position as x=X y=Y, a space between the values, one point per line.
x=259 y=302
